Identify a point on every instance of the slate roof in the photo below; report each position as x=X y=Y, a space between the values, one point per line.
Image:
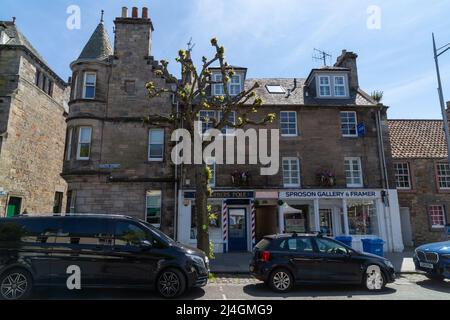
x=99 y=46
x=299 y=97
x=417 y=139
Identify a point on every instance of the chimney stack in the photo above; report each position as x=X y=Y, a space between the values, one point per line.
x=348 y=60
x=135 y=12
x=124 y=12
x=144 y=13
x=448 y=105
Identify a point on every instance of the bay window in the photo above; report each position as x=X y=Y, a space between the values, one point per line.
x=89 y=85
x=84 y=143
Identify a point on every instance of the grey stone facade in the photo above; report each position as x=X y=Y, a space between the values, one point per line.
x=32 y=127
x=119 y=137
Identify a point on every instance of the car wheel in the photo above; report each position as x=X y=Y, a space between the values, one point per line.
x=171 y=284
x=15 y=284
x=374 y=279
x=281 y=280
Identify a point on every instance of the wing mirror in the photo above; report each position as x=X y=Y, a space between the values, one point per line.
x=145 y=244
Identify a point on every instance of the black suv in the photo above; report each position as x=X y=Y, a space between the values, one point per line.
x=282 y=261
x=109 y=252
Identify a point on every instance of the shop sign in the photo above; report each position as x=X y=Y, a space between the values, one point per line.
x=335 y=194
x=225 y=195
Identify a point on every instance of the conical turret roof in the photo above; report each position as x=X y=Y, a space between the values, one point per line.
x=98 y=47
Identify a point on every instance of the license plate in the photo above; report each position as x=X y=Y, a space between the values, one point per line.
x=426 y=265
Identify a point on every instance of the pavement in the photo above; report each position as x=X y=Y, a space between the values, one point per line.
x=243 y=287
x=238 y=263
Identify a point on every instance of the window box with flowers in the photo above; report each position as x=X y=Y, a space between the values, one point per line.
x=326 y=178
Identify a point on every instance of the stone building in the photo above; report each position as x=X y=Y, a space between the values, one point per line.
x=33 y=99
x=422 y=178
x=335 y=165
x=113 y=162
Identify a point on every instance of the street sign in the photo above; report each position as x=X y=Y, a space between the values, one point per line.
x=109 y=166
x=361 y=129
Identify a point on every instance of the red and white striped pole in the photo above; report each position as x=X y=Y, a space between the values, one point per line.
x=253 y=208
x=225 y=225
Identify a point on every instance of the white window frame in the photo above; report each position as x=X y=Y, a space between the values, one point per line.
x=201 y=122
x=211 y=163
x=343 y=85
x=431 y=210
x=235 y=85
x=79 y=144
x=291 y=177
x=86 y=74
x=288 y=123
x=351 y=184
x=320 y=85
x=218 y=88
x=150 y=158
x=152 y=193
x=440 y=176
x=69 y=145
x=345 y=135
x=226 y=130
x=402 y=175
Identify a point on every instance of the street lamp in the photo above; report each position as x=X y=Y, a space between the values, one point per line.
x=437 y=53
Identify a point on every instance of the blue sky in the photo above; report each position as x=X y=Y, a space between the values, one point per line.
x=273 y=38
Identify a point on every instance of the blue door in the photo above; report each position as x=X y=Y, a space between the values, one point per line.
x=237 y=230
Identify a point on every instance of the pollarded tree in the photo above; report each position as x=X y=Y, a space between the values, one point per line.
x=191 y=93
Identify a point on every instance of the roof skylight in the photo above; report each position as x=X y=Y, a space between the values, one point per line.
x=274 y=89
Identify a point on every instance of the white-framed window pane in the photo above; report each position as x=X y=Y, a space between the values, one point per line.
x=288 y=123
x=443 y=172
x=402 y=175
x=231 y=119
x=218 y=87
x=437 y=216
x=353 y=172
x=84 y=143
x=90 y=80
x=207 y=119
x=339 y=86
x=235 y=85
x=69 y=144
x=291 y=172
x=156 y=144
x=349 y=123
x=153 y=207
x=324 y=86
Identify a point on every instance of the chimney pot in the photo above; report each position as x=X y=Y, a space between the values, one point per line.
x=135 y=12
x=124 y=12
x=144 y=13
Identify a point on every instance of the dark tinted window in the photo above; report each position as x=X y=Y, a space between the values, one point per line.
x=84 y=231
x=297 y=245
x=129 y=234
x=29 y=230
x=330 y=247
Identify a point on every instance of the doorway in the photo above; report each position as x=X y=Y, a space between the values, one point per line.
x=326 y=222
x=405 y=217
x=237 y=230
x=57 y=205
x=14 y=207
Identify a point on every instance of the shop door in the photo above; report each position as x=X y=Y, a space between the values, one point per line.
x=237 y=230
x=326 y=222
x=14 y=206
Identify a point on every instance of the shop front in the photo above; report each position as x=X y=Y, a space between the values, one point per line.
x=361 y=214
x=233 y=224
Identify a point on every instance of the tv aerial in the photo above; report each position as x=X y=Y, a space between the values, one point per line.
x=320 y=55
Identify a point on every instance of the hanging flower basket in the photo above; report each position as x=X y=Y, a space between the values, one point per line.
x=326 y=178
x=240 y=179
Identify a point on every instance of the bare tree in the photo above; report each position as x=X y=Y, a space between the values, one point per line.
x=191 y=93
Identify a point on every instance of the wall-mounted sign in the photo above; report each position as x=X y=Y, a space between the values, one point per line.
x=333 y=194
x=224 y=195
x=361 y=129
x=109 y=166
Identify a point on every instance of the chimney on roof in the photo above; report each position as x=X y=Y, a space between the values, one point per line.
x=135 y=12
x=14 y=20
x=124 y=12
x=144 y=13
x=348 y=60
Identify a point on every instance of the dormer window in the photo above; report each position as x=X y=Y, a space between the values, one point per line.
x=218 y=87
x=90 y=80
x=234 y=87
x=324 y=86
x=332 y=86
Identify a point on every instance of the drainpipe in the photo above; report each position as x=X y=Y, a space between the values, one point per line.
x=175 y=220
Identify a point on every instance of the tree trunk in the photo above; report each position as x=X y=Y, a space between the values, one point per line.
x=201 y=206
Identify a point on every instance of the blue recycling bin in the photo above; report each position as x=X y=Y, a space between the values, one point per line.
x=374 y=246
x=345 y=240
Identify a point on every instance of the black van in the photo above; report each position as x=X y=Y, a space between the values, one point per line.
x=108 y=252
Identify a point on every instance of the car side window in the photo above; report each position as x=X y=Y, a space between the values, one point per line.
x=129 y=234
x=78 y=231
x=330 y=247
x=300 y=245
x=28 y=230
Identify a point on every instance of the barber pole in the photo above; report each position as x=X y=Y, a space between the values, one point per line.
x=225 y=225
x=253 y=208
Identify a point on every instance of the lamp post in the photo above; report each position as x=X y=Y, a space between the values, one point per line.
x=437 y=53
